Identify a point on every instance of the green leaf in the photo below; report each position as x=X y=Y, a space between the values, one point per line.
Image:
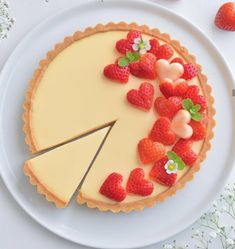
x=173 y=156
x=181 y=164
x=196 y=116
x=133 y=56
x=197 y=108
x=187 y=104
x=123 y=62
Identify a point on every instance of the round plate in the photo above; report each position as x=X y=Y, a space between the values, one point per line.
x=79 y=223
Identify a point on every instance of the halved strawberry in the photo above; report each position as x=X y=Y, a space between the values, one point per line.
x=158 y=173
x=149 y=151
x=112 y=187
x=164 y=52
x=161 y=132
x=168 y=107
x=137 y=184
x=199 y=130
x=117 y=73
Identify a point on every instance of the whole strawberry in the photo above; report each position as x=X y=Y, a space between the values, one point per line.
x=112 y=188
x=149 y=151
x=136 y=183
x=158 y=173
x=117 y=73
x=225 y=17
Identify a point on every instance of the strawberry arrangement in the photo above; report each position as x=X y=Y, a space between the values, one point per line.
x=181 y=110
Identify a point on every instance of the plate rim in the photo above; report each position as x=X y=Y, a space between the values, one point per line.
x=61 y=13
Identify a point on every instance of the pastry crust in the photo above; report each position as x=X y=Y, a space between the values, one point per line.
x=122 y=26
x=41 y=189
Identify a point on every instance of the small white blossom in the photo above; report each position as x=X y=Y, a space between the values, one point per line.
x=171 y=167
x=213 y=234
x=168 y=246
x=141 y=45
x=230 y=242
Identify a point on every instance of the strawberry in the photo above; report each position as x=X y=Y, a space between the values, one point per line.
x=154 y=46
x=190 y=71
x=112 y=188
x=183 y=149
x=225 y=17
x=159 y=174
x=178 y=60
x=168 y=89
x=123 y=46
x=168 y=107
x=132 y=35
x=136 y=183
x=117 y=73
x=145 y=68
x=142 y=98
x=150 y=152
x=164 y=52
x=193 y=94
x=199 y=130
x=161 y=132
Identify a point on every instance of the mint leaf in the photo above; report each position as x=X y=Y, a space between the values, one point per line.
x=133 y=56
x=196 y=116
x=173 y=156
x=123 y=62
x=180 y=163
x=187 y=104
x=197 y=108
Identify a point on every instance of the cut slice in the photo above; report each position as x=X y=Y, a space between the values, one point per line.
x=58 y=172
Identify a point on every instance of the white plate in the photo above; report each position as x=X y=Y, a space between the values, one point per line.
x=79 y=223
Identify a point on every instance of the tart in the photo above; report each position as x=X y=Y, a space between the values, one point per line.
x=142 y=84
x=58 y=172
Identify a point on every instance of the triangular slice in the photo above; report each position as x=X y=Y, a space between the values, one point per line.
x=58 y=172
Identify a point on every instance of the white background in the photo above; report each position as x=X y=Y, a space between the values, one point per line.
x=17 y=229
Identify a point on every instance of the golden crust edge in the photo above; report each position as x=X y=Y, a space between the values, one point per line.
x=41 y=189
x=149 y=202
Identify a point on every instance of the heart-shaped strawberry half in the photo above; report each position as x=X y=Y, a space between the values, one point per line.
x=145 y=68
x=168 y=107
x=158 y=173
x=149 y=151
x=183 y=149
x=136 y=183
x=125 y=45
x=143 y=97
x=161 y=132
x=112 y=187
x=177 y=88
x=117 y=73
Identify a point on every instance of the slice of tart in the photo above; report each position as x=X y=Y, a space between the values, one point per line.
x=144 y=83
x=58 y=172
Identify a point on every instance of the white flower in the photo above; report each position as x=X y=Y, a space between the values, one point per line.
x=171 y=167
x=213 y=234
x=217 y=213
x=141 y=45
x=168 y=246
x=223 y=209
x=229 y=242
